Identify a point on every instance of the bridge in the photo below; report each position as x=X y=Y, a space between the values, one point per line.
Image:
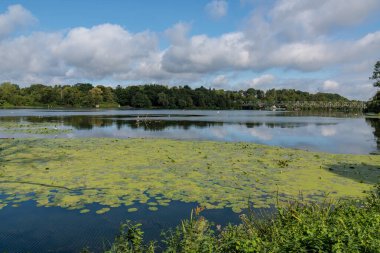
x=308 y=105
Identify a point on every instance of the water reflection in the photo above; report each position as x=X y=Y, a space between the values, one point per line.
x=375 y=124
x=145 y=123
x=326 y=131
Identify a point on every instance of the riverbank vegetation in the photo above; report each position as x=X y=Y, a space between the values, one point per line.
x=154 y=96
x=329 y=226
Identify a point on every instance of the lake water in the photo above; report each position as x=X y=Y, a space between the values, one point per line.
x=327 y=132
x=41 y=229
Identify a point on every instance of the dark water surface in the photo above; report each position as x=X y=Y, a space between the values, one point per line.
x=29 y=228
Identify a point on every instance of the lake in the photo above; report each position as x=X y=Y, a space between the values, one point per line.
x=328 y=132
x=27 y=226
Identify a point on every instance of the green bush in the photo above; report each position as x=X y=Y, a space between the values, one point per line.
x=374 y=104
x=345 y=226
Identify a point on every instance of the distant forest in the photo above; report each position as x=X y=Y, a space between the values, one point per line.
x=150 y=96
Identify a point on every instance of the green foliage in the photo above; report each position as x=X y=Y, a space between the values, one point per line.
x=194 y=235
x=151 y=95
x=96 y=96
x=373 y=199
x=346 y=226
x=374 y=104
x=376 y=74
x=140 y=100
x=130 y=240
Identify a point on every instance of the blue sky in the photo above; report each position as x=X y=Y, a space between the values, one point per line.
x=135 y=16
x=325 y=45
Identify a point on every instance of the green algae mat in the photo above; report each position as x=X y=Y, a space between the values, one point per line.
x=33 y=128
x=72 y=173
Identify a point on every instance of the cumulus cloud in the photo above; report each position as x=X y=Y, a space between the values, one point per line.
x=105 y=51
x=30 y=59
x=261 y=80
x=202 y=54
x=178 y=33
x=291 y=35
x=217 y=8
x=220 y=81
x=241 y=51
x=330 y=85
x=15 y=17
x=299 y=19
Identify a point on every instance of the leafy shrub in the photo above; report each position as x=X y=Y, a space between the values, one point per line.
x=345 y=226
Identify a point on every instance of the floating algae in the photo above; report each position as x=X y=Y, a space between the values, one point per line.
x=99 y=170
x=32 y=128
x=153 y=208
x=103 y=210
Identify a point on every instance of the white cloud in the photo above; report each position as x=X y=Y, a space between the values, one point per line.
x=30 y=59
x=201 y=54
x=15 y=17
x=301 y=56
x=330 y=85
x=217 y=8
x=220 y=81
x=264 y=82
x=299 y=19
x=178 y=33
x=261 y=80
x=105 y=51
x=293 y=35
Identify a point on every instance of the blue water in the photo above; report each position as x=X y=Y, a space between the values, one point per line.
x=327 y=132
x=29 y=228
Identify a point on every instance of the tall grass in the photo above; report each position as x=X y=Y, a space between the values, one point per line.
x=343 y=226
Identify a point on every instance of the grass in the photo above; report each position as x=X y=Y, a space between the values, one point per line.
x=345 y=226
x=74 y=173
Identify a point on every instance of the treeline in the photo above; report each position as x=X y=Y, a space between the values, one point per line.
x=150 y=96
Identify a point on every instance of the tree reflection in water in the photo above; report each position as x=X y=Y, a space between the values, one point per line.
x=375 y=124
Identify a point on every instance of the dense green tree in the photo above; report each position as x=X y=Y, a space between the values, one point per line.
x=95 y=95
x=152 y=95
x=9 y=92
x=108 y=94
x=84 y=87
x=121 y=96
x=374 y=104
x=71 y=96
x=140 y=100
x=376 y=74
x=163 y=99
